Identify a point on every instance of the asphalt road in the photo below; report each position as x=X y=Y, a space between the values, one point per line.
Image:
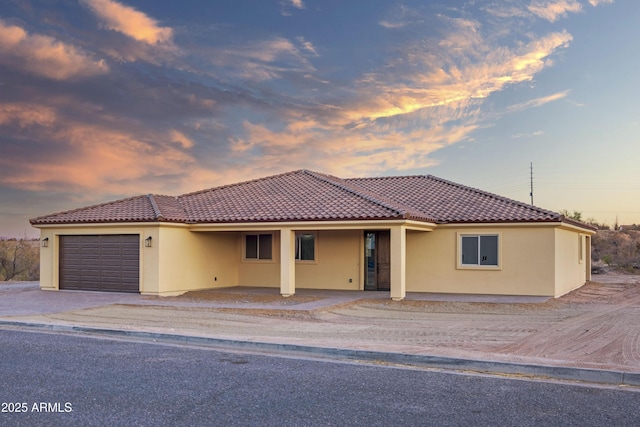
x=76 y=380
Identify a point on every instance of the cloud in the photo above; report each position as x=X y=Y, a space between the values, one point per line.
x=392 y=25
x=340 y=151
x=181 y=139
x=307 y=45
x=400 y=17
x=298 y=4
x=599 y=2
x=88 y=157
x=129 y=21
x=26 y=115
x=538 y=102
x=459 y=79
x=554 y=9
x=396 y=117
x=527 y=135
x=45 y=56
x=264 y=60
x=286 y=4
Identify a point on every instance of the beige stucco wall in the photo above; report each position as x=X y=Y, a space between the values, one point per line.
x=47 y=259
x=259 y=273
x=535 y=260
x=571 y=261
x=526 y=266
x=189 y=261
x=177 y=261
x=337 y=261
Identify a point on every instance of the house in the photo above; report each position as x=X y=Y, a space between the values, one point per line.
x=305 y=229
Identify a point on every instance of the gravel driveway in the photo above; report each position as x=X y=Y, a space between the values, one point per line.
x=596 y=326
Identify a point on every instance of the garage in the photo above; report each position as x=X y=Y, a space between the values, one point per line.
x=101 y=262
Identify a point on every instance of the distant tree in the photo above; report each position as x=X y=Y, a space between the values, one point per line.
x=577 y=215
x=19 y=259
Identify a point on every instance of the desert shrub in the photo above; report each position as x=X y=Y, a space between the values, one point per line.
x=620 y=248
x=19 y=259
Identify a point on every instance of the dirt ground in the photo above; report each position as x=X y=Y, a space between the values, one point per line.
x=595 y=326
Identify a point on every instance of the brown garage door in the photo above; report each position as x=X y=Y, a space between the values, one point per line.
x=108 y=262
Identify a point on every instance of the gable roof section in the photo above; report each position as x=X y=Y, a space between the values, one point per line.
x=310 y=196
x=147 y=208
x=454 y=203
x=295 y=196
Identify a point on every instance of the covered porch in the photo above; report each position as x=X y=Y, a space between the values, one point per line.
x=340 y=254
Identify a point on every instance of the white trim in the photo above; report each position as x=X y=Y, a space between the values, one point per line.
x=315 y=225
x=561 y=225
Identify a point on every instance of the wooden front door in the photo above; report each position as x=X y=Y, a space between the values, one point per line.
x=377 y=255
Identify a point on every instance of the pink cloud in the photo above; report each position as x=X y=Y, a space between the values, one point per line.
x=45 y=56
x=129 y=21
x=551 y=10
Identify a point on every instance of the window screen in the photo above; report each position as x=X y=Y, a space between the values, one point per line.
x=488 y=250
x=470 y=250
x=251 y=246
x=264 y=246
x=258 y=246
x=480 y=250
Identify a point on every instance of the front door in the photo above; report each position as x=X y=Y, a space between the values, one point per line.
x=377 y=245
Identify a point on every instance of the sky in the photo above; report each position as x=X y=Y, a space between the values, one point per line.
x=103 y=99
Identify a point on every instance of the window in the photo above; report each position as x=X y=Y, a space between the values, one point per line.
x=258 y=246
x=305 y=247
x=479 y=250
x=580 y=250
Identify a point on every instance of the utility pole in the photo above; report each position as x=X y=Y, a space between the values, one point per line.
x=531 y=193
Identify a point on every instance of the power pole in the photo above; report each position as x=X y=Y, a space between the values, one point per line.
x=531 y=193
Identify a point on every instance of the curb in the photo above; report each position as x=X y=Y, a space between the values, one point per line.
x=600 y=376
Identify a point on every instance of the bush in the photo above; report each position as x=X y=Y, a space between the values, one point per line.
x=19 y=259
x=620 y=248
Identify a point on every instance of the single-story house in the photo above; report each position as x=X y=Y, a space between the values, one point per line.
x=310 y=230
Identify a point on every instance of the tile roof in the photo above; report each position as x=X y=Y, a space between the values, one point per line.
x=310 y=196
x=134 y=209
x=453 y=203
x=294 y=196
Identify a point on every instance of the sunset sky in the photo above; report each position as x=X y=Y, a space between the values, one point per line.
x=103 y=99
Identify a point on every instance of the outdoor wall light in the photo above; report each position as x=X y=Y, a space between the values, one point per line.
x=147 y=242
x=45 y=242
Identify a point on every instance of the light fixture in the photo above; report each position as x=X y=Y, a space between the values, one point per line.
x=45 y=242
x=147 y=242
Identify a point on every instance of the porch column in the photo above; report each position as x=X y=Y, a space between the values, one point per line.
x=398 y=262
x=287 y=262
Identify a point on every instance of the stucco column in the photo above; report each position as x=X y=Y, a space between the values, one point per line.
x=287 y=262
x=398 y=262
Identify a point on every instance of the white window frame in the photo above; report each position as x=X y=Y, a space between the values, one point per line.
x=315 y=247
x=461 y=266
x=258 y=259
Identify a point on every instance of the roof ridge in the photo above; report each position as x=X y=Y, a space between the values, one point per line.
x=98 y=205
x=369 y=195
x=156 y=209
x=236 y=184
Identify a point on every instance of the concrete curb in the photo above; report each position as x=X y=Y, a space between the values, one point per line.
x=589 y=375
